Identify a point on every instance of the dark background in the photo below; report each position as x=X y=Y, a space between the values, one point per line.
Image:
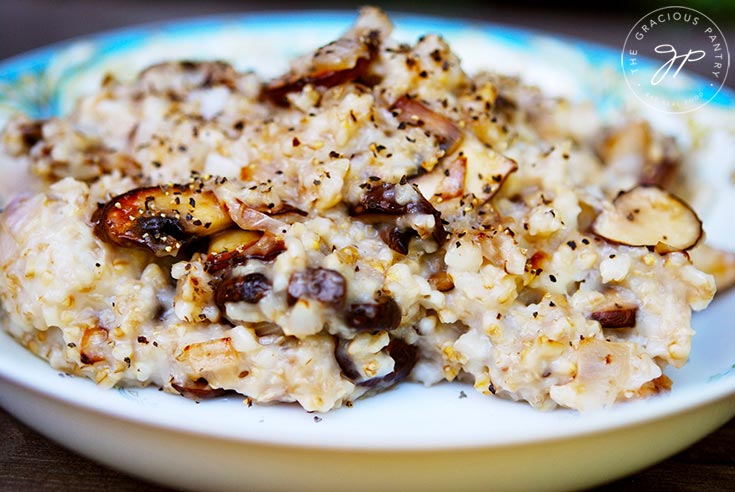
x=27 y=24
x=31 y=462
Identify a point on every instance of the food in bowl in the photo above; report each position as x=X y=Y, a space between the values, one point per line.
x=374 y=215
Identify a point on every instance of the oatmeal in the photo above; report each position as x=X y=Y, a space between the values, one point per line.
x=375 y=215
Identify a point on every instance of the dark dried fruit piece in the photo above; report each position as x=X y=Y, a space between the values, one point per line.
x=198 y=390
x=384 y=314
x=404 y=357
x=31 y=132
x=320 y=284
x=251 y=288
x=161 y=219
x=396 y=238
x=442 y=281
x=382 y=199
x=617 y=317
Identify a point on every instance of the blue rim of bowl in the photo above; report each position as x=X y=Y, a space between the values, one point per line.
x=126 y=38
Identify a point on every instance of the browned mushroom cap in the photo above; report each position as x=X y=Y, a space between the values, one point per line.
x=160 y=219
x=414 y=113
x=384 y=314
x=235 y=247
x=320 y=284
x=250 y=288
x=404 y=357
x=649 y=216
x=198 y=390
x=396 y=200
x=340 y=61
x=616 y=317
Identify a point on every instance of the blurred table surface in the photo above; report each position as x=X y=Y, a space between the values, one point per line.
x=29 y=461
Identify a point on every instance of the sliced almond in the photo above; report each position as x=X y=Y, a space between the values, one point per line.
x=236 y=247
x=486 y=169
x=635 y=148
x=716 y=262
x=414 y=113
x=94 y=345
x=161 y=219
x=212 y=355
x=232 y=240
x=446 y=181
x=649 y=216
x=180 y=77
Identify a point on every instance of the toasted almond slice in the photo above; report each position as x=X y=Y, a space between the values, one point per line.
x=649 y=216
x=446 y=181
x=161 y=219
x=716 y=262
x=412 y=112
x=232 y=240
x=254 y=215
x=211 y=355
x=179 y=77
x=635 y=148
x=486 y=169
x=236 y=247
x=93 y=346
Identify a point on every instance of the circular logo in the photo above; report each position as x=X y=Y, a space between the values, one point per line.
x=667 y=42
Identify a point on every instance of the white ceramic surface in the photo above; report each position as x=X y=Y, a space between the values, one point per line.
x=412 y=438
